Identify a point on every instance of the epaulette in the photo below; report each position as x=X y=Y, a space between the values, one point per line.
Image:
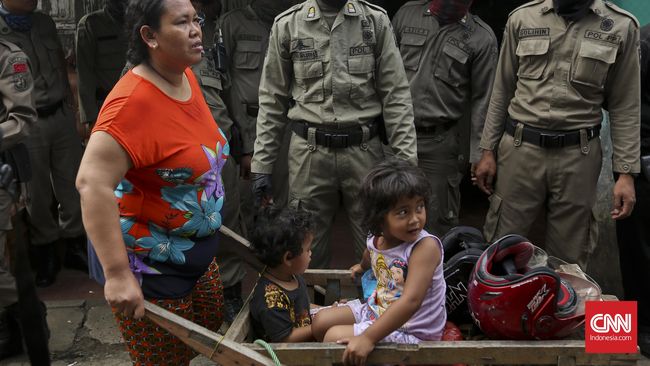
x=484 y=25
x=619 y=10
x=291 y=10
x=12 y=47
x=534 y=2
x=373 y=6
x=415 y=3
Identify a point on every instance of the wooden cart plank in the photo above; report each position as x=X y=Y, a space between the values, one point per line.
x=204 y=341
x=467 y=352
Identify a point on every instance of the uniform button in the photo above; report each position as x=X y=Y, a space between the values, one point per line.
x=626 y=167
x=311 y=148
x=585 y=149
x=364 y=146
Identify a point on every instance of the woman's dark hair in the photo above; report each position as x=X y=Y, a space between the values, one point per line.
x=278 y=231
x=384 y=186
x=138 y=14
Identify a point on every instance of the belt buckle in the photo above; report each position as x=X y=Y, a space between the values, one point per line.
x=336 y=140
x=548 y=140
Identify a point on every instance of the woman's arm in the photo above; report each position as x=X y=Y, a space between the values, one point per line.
x=104 y=164
x=420 y=274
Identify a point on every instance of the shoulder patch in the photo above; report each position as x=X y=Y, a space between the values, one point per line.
x=621 y=11
x=526 y=5
x=373 y=6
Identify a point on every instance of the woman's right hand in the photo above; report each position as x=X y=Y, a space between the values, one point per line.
x=124 y=295
x=355 y=271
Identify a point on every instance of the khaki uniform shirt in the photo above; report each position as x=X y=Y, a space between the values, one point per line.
x=212 y=86
x=351 y=74
x=557 y=75
x=246 y=39
x=450 y=68
x=101 y=55
x=45 y=53
x=17 y=113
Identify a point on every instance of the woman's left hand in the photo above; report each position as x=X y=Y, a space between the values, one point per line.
x=357 y=351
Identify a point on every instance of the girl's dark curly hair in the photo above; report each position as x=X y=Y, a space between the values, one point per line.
x=278 y=231
x=138 y=14
x=384 y=186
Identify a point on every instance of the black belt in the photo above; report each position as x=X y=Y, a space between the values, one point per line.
x=334 y=137
x=550 y=138
x=436 y=129
x=49 y=110
x=252 y=110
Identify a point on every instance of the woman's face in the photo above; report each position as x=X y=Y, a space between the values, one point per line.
x=179 y=36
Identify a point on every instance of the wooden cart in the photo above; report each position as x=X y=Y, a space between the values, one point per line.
x=484 y=352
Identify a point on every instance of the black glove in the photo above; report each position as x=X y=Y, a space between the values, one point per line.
x=262 y=189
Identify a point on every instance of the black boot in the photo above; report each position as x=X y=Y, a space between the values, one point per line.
x=76 y=255
x=232 y=302
x=47 y=263
x=10 y=337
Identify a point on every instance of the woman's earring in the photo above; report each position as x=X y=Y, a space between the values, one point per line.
x=154 y=46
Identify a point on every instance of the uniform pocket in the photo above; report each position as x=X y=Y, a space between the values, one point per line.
x=492 y=217
x=248 y=55
x=54 y=52
x=309 y=81
x=451 y=66
x=411 y=47
x=362 y=76
x=592 y=63
x=533 y=57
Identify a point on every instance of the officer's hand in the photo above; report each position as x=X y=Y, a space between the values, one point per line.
x=624 y=197
x=124 y=295
x=485 y=171
x=245 y=166
x=262 y=189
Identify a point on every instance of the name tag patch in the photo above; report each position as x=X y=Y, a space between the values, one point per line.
x=534 y=32
x=361 y=50
x=413 y=30
x=611 y=38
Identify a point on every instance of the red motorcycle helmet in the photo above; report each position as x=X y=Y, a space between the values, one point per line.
x=516 y=291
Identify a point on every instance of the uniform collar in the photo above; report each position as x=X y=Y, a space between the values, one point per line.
x=311 y=11
x=467 y=21
x=598 y=7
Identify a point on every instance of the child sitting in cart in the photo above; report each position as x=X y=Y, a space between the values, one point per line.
x=408 y=305
x=280 y=304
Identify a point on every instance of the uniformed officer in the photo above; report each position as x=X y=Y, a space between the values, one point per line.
x=101 y=55
x=561 y=61
x=54 y=147
x=212 y=83
x=331 y=71
x=449 y=56
x=17 y=116
x=245 y=35
x=633 y=233
x=228 y=5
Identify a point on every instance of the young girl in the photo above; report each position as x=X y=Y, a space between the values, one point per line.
x=408 y=305
x=280 y=304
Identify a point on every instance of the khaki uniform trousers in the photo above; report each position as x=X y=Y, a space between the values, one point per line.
x=8 y=294
x=321 y=178
x=562 y=180
x=438 y=157
x=55 y=153
x=230 y=263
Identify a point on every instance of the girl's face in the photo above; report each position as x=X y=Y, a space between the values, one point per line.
x=179 y=37
x=404 y=221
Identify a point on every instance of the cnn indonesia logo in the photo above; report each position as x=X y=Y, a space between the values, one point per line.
x=610 y=327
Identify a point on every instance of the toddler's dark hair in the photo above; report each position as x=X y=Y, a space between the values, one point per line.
x=278 y=231
x=384 y=185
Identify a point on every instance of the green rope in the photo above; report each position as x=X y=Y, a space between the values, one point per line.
x=268 y=349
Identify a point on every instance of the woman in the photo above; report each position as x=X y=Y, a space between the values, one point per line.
x=155 y=140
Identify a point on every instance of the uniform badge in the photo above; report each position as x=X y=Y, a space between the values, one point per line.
x=20 y=82
x=465 y=36
x=19 y=67
x=311 y=12
x=464 y=19
x=368 y=36
x=607 y=24
x=351 y=8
